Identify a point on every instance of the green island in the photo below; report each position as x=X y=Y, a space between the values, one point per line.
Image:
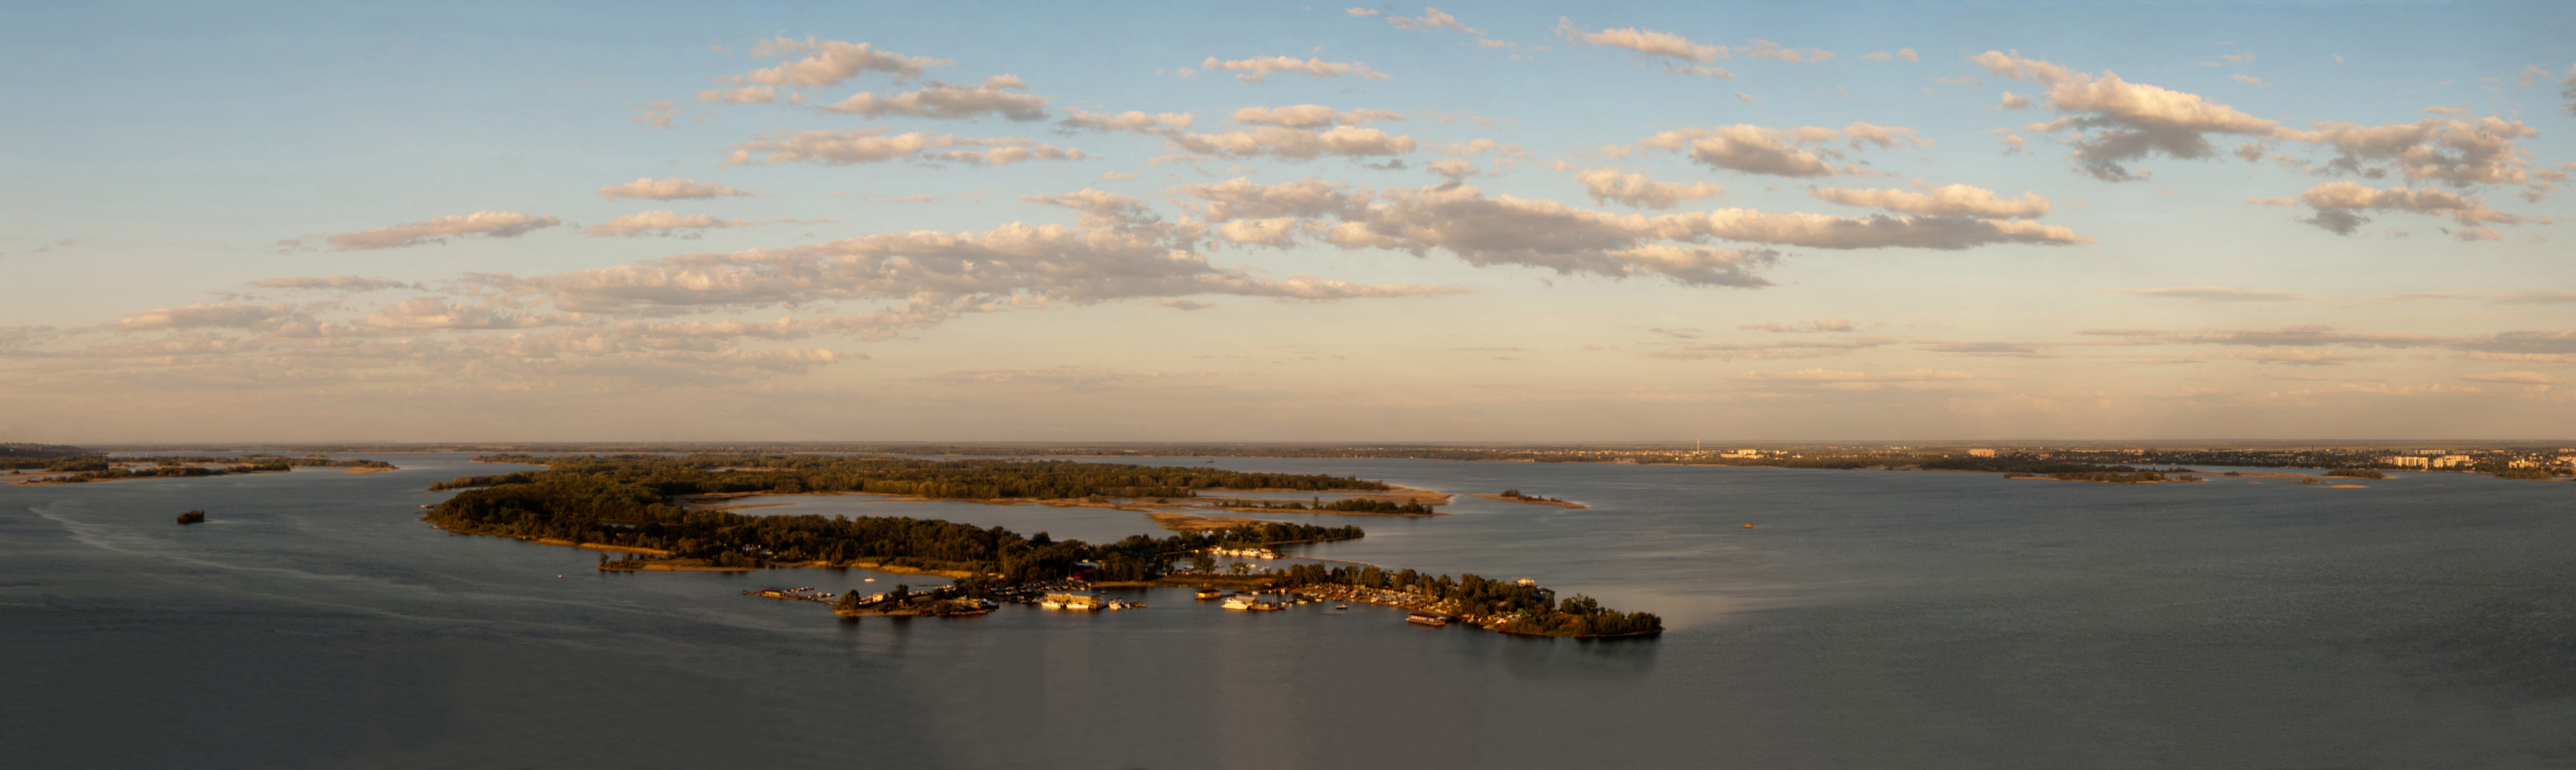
x=87 y=469
x=1515 y=496
x=633 y=504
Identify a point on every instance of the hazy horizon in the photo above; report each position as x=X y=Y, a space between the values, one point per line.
x=1474 y=223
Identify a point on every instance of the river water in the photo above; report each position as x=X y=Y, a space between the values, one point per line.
x=1865 y=620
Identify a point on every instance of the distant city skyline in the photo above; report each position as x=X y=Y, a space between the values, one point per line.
x=1188 y=222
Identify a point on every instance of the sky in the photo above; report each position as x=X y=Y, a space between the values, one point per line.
x=1215 y=222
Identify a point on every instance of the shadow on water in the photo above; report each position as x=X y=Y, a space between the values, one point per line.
x=1617 y=659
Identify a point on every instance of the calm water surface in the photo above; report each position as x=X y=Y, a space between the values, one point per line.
x=1866 y=620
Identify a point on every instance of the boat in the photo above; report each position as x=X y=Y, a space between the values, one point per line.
x=1240 y=602
x=1426 y=618
x=1341 y=606
x=1209 y=593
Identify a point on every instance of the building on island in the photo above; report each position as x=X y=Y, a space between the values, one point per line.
x=1981 y=453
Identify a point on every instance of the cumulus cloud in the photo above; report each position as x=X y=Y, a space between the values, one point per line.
x=823 y=63
x=1431 y=18
x=1673 y=52
x=2113 y=122
x=2337 y=206
x=496 y=224
x=1633 y=189
x=943 y=101
x=1259 y=68
x=221 y=315
x=339 y=282
x=877 y=145
x=1497 y=230
x=1793 y=152
x=1295 y=144
x=1907 y=54
x=674 y=188
x=1947 y=200
x=438 y=313
x=661 y=223
x=2214 y=294
x=1119 y=250
x=1311 y=116
x=1162 y=124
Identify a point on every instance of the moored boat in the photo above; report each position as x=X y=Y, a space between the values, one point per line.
x=1426 y=618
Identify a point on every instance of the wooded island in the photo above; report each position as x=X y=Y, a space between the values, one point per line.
x=626 y=503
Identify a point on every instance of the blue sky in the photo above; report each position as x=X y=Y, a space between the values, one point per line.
x=1484 y=222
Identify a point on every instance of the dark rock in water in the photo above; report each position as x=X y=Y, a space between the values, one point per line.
x=192 y=517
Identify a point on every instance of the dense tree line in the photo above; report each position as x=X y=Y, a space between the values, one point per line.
x=626 y=501
x=88 y=469
x=21 y=452
x=957 y=479
x=1535 y=611
x=2022 y=465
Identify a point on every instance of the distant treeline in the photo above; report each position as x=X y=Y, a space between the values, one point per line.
x=2018 y=465
x=1539 y=612
x=959 y=479
x=22 y=452
x=626 y=502
x=88 y=469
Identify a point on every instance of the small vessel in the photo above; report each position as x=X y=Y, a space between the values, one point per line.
x=1205 y=594
x=1426 y=618
x=1240 y=602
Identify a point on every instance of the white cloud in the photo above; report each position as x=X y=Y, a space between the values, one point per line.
x=828 y=62
x=1119 y=250
x=2117 y=122
x=1294 y=144
x=1796 y=152
x=1132 y=121
x=1948 y=200
x=437 y=313
x=1258 y=68
x=497 y=224
x=2337 y=205
x=1633 y=189
x=1311 y=116
x=2246 y=79
x=662 y=223
x=1431 y=18
x=1485 y=230
x=1649 y=43
x=207 y=316
x=876 y=145
x=675 y=188
x=943 y=101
